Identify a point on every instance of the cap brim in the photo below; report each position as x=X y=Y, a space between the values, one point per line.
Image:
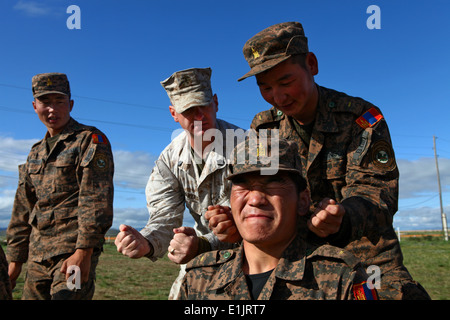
x=181 y=109
x=48 y=92
x=263 y=67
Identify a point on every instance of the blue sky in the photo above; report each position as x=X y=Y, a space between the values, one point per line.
x=125 y=48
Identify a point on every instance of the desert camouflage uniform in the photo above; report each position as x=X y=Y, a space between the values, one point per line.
x=5 y=283
x=64 y=199
x=348 y=159
x=176 y=184
x=305 y=272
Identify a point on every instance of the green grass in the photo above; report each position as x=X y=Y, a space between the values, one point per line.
x=428 y=261
x=121 y=278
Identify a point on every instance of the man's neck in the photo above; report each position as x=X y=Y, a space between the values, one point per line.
x=259 y=259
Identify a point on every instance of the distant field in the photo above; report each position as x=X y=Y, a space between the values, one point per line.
x=427 y=259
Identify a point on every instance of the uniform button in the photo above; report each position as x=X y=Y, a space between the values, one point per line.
x=226 y=254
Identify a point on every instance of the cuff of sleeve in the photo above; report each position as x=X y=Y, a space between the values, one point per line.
x=203 y=245
x=90 y=241
x=16 y=254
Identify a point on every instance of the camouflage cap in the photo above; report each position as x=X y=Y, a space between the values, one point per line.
x=189 y=88
x=274 y=45
x=268 y=156
x=54 y=82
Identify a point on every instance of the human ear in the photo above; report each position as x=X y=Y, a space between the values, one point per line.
x=304 y=202
x=173 y=113
x=312 y=64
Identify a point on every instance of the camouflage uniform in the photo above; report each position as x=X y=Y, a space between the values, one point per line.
x=63 y=202
x=348 y=157
x=176 y=183
x=5 y=283
x=306 y=270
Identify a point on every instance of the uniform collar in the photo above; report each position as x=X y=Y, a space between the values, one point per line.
x=294 y=258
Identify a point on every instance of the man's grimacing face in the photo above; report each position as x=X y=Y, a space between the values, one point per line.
x=265 y=207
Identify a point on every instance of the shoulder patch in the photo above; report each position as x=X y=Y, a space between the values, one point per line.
x=361 y=291
x=369 y=119
x=99 y=139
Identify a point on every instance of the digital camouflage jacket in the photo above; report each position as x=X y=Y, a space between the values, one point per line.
x=305 y=272
x=64 y=199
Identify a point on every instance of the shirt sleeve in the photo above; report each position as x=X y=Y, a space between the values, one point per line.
x=95 y=202
x=370 y=196
x=19 y=228
x=166 y=205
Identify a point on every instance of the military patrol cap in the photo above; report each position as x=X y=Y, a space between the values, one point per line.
x=189 y=88
x=266 y=156
x=54 y=82
x=274 y=45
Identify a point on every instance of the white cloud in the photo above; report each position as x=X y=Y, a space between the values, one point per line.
x=33 y=8
x=132 y=169
x=419 y=177
x=13 y=152
x=424 y=218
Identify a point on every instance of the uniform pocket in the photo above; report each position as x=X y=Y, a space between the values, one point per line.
x=65 y=178
x=335 y=167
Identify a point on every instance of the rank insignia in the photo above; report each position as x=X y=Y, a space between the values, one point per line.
x=362 y=291
x=255 y=53
x=99 y=139
x=369 y=119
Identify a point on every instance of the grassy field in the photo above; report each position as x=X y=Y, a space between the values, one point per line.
x=118 y=277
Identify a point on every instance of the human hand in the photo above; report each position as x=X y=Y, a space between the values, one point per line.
x=82 y=259
x=184 y=245
x=131 y=243
x=327 y=218
x=14 y=270
x=222 y=224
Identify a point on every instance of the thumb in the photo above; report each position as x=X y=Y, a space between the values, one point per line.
x=124 y=227
x=186 y=230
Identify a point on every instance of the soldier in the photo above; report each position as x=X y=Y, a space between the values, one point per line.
x=276 y=260
x=190 y=172
x=346 y=151
x=64 y=201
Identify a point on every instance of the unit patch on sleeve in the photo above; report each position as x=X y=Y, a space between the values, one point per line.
x=369 y=119
x=101 y=162
x=362 y=291
x=99 y=139
x=383 y=155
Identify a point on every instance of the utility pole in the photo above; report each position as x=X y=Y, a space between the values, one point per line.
x=443 y=216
